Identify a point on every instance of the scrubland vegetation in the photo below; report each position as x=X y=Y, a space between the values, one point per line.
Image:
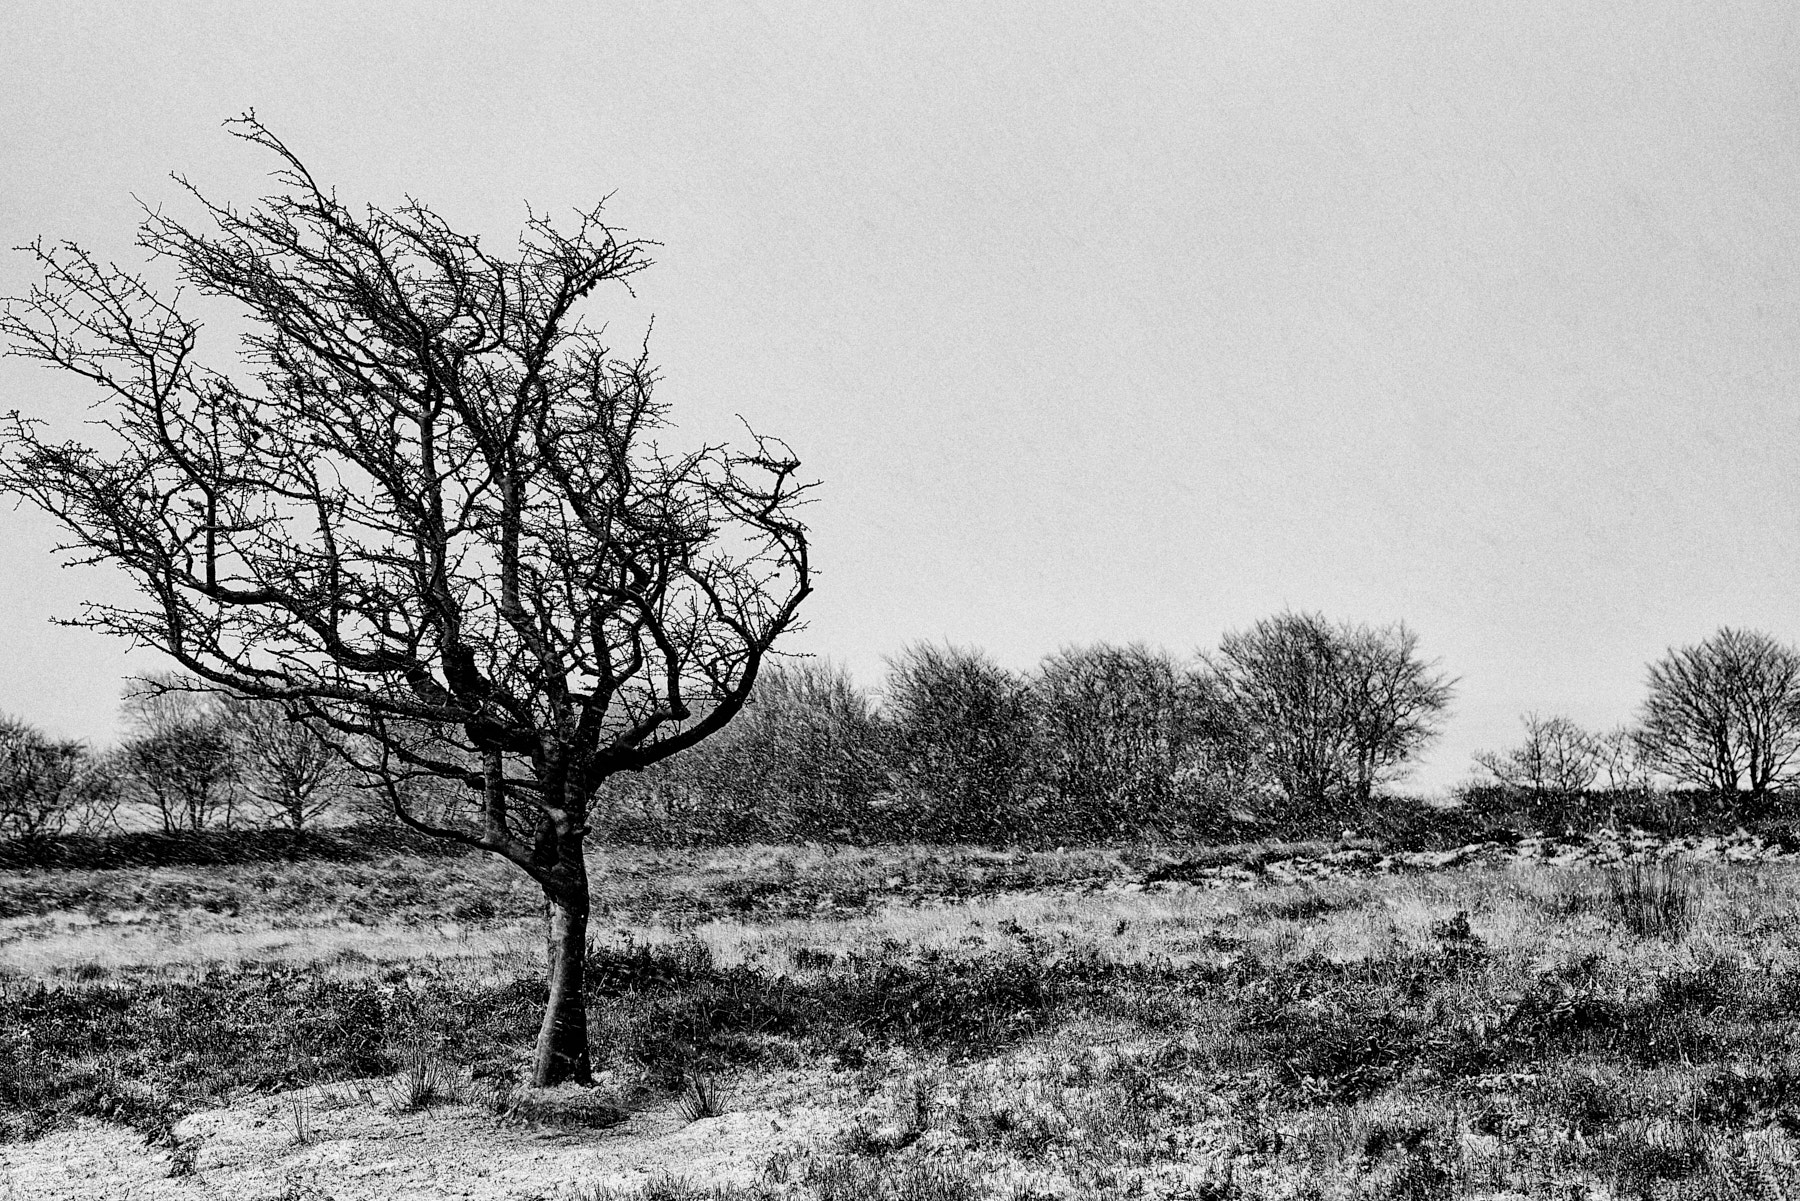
x=1079 y=932
x=986 y=1023
x=1296 y=723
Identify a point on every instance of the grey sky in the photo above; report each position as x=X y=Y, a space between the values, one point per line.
x=1123 y=321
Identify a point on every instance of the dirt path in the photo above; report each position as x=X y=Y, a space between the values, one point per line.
x=360 y=1150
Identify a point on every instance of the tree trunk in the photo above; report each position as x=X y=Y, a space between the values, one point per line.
x=562 y=1044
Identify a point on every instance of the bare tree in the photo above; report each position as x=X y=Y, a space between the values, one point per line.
x=427 y=508
x=1394 y=702
x=47 y=785
x=283 y=761
x=179 y=758
x=1557 y=757
x=1332 y=710
x=808 y=752
x=1622 y=760
x=1724 y=714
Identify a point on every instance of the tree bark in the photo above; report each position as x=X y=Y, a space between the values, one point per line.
x=562 y=1044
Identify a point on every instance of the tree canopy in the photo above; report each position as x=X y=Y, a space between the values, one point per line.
x=426 y=506
x=1724 y=713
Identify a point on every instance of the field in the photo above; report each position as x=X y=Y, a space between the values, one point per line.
x=1318 y=1020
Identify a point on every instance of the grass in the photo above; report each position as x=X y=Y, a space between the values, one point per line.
x=1016 y=1035
x=631 y=883
x=421 y=1082
x=1655 y=898
x=300 y=1111
x=701 y=1099
x=146 y=1046
x=825 y=1177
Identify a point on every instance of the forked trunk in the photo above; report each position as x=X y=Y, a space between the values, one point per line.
x=562 y=1044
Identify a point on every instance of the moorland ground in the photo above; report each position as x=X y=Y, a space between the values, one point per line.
x=1309 y=1020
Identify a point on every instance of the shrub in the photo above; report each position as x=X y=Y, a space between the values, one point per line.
x=806 y=758
x=671 y=1009
x=49 y=786
x=216 y=847
x=1129 y=741
x=964 y=729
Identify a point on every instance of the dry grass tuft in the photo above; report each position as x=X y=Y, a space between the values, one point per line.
x=1654 y=898
x=701 y=1098
x=423 y=1081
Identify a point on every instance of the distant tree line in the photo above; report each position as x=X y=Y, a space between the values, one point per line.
x=1296 y=714
x=190 y=760
x=1295 y=722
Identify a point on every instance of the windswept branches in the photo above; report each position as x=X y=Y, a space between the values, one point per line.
x=426 y=510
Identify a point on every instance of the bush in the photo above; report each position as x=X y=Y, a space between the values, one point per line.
x=806 y=759
x=205 y=848
x=676 y=1012
x=964 y=730
x=49 y=786
x=1129 y=742
x=1498 y=808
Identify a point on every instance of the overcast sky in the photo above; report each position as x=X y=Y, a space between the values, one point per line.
x=1124 y=322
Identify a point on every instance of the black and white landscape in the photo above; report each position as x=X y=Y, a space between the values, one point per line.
x=728 y=602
